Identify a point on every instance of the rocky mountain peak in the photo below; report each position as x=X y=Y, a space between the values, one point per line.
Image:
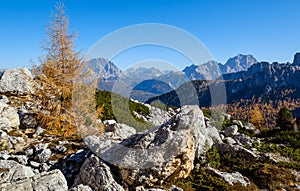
x=297 y=59
x=104 y=69
x=239 y=63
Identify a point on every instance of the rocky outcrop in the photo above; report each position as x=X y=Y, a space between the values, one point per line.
x=165 y=152
x=15 y=176
x=9 y=118
x=158 y=116
x=16 y=82
x=96 y=174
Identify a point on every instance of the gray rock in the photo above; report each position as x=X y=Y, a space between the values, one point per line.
x=11 y=171
x=227 y=116
x=63 y=142
x=34 y=164
x=116 y=131
x=38 y=132
x=50 y=181
x=214 y=134
x=100 y=144
x=16 y=82
x=150 y=157
x=4 y=155
x=249 y=126
x=236 y=150
x=19 y=185
x=121 y=131
x=4 y=99
x=70 y=166
x=21 y=159
x=43 y=155
x=41 y=146
x=175 y=188
x=96 y=174
x=231 y=130
x=149 y=189
x=81 y=187
x=16 y=140
x=3 y=135
x=158 y=116
x=60 y=149
x=231 y=178
x=244 y=139
x=276 y=157
x=238 y=123
x=229 y=140
x=44 y=167
x=29 y=151
x=9 y=117
x=124 y=131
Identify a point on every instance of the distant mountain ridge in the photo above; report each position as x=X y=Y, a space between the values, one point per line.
x=213 y=70
x=133 y=78
x=262 y=80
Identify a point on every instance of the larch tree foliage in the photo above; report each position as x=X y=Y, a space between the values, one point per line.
x=256 y=117
x=56 y=75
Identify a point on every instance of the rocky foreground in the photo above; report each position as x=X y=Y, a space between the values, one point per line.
x=122 y=159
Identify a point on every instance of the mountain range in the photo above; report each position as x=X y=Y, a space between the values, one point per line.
x=143 y=83
x=267 y=81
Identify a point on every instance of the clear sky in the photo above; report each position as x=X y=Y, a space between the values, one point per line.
x=268 y=29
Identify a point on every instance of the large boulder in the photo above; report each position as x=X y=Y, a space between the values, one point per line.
x=11 y=171
x=159 y=154
x=9 y=117
x=16 y=82
x=49 y=181
x=97 y=175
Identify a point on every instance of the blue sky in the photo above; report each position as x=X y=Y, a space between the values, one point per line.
x=268 y=29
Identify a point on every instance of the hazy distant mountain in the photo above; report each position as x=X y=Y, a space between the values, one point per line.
x=141 y=73
x=238 y=63
x=213 y=70
x=104 y=69
x=208 y=71
x=133 y=78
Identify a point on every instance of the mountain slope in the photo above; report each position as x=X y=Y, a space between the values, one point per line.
x=261 y=80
